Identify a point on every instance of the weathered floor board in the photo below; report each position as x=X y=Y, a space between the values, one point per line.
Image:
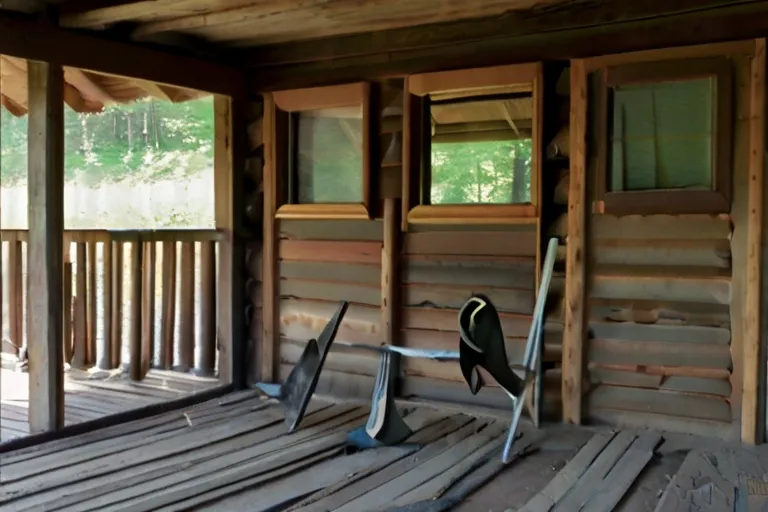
x=87 y=398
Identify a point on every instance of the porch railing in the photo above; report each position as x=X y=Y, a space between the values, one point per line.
x=145 y=298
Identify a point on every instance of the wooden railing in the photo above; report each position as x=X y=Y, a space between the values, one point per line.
x=142 y=297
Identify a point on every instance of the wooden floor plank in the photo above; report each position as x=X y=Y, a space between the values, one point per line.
x=613 y=487
x=583 y=489
x=123 y=475
x=569 y=475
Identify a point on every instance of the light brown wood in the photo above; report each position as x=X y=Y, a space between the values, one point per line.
x=473 y=214
x=15 y=294
x=105 y=362
x=341 y=252
x=408 y=163
x=390 y=273
x=752 y=425
x=268 y=347
x=116 y=333
x=574 y=333
x=465 y=80
x=187 y=306
x=137 y=265
x=322 y=211
x=91 y=313
x=317 y=98
x=45 y=251
x=168 y=325
x=80 y=358
x=206 y=351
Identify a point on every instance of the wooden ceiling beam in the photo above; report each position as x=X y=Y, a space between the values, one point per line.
x=78 y=79
x=95 y=13
x=12 y=107
x=391 y=54
x=161 y=92
x=28 y=38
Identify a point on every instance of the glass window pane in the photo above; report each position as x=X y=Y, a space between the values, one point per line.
x=662 y=136
x=330 y=156
x=481 y=151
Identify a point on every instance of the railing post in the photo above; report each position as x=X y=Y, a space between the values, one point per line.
x=136 y=296
x=206 y=349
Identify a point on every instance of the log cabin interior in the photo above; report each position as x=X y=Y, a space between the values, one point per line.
x=402 y=157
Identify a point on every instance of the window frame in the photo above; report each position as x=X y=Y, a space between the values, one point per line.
x=416 y=179
x=668 y=201
x=288 y=104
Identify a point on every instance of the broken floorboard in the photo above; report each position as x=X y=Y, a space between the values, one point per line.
x=89 y=396
x=234 y=453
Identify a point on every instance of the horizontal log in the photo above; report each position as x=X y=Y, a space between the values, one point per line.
x=659 y=354
x=662 y=283
x=714 y=253
x=330 y=291
x=362 y=230
x=659 y=402
x=667 y=371
x=661 y=422
x=338 y=384
x=631 y=331
x=470 y=273
x=454 y=297
x=482 y=243
x=672 y=227
x=328 y=251
x=340 y=358
x=662 y=312
x=440 y=319
x=693 y=385
x=343 y=272
x=304 y=319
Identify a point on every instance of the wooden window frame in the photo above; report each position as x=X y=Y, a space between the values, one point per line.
x=417 y=161
x=295 y=101
x=670 y=201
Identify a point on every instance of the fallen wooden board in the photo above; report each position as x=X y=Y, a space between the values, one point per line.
x=569 y=475
x=699 y=486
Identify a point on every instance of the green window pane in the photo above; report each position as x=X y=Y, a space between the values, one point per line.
x=662 y=136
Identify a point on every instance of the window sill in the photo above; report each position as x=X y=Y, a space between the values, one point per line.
x=323 y=211
x=473 y=214
x=664 y=202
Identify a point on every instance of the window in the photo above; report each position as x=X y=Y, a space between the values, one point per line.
x=322 y=152
x=666 y=141
x=472 y=155
x=481 y=150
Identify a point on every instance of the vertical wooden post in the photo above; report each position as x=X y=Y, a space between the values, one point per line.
x=168 y=325
x=753 y=362
x=148 y=312
x=187 y=313
x=45 y=250
x=206 y=350
x=67 y=316
x=15 y=294
x=135 y=332
x=269 y=306
x=390 y=272
x=105 y=362
x=229 y=164
x=116 y=333
x=574 y=331
x=81 y=338
x=91 y=313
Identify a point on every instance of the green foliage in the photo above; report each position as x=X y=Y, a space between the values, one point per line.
x=495 y=172
x=145 y=141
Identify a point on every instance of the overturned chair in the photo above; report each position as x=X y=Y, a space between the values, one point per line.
x=481 y=344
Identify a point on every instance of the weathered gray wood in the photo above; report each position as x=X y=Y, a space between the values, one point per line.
x=470 y=273
x=661 y=354
x=706 y=253
x=621 y=378
x=580 y=493
x=489 y=243
x=661 y=333
x=304 y=320
x=342 y=272
x=330 y=291
x=340 y=359
x=661 y=422
x=331 y=230
x=681 y=495
x=707 y=290
x=445 y=319
x=613 y=487
x=453 y=297
x=569 y=475
x=660 y=402
x=661 y=312
x=674 y=227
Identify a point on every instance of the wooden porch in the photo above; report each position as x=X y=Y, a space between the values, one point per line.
x=233 y=453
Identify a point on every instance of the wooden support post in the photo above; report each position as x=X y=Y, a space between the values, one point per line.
x=574 y=332
x=168 y=325
x=16 y=294
x=270 y=339
x=45 y=249
x=148 y=309
x=187 y=313
x=206 y=350
x=67 y=340
x=229 y=163
x=116 y=333
x=81 y=351
x=105 y=362
x=91 y=312
x=137 y=263
x=390 y=272
x=753 y=362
